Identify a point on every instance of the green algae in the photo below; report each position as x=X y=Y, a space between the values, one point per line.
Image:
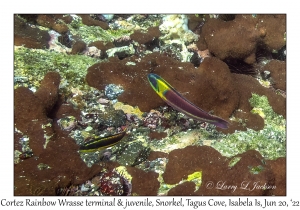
x=35 y=63
x=270 y=141
x=95 y=33
x=271 y=118
x=233 y=161
x=255 y=169
x=195 y=177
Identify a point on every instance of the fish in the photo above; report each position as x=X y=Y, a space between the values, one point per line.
x=102 y=143
x=174 y=99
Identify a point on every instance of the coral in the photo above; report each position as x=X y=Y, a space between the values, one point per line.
x=157 y=135
x=217 y=176
x=204 y=157
x=278 y=73
x=149 y=39
x=143 y=183
x=48 y=90
x=279 y=168
x=102 y=45
x=55 y=157
x=78 y=47
x=28 y=36
x=176 y=36
x=240 y=37
x=30 y=115
x=122 y=41
x=89 y=21
x=52 y=22
x=214 y=31
x=275 y=29
x=34 y=108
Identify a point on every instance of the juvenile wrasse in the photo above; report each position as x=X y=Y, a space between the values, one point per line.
x=178 y=102
x=102 y=143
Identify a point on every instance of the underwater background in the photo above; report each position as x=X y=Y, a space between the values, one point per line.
x=89 y=121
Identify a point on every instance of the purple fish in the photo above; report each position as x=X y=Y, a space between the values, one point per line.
x=178 y=102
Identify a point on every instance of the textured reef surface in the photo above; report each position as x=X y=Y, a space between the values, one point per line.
x=87 y=121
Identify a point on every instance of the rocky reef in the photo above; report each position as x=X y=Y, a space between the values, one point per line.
x=82 y=79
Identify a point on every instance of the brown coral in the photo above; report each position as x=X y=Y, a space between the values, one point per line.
x=146 y=38
x=240 y=37
x=78 y=47
x=218 y=178
x=102 y=45
x=278 y=73
x=273 y=27
x=52 y=22
x=89 y=21
x=279 y=168
x=232 y=39
x=56 y=157
x=28 y=36
x=48 y=91
x=143 y=183
x=29 y=116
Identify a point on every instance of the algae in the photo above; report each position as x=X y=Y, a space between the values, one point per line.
x=255 y=169
x=270 y=141
x=95 y=33
x=35 y=63
x=196 y=177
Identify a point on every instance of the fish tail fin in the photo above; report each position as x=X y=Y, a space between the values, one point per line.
x=222 y=124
